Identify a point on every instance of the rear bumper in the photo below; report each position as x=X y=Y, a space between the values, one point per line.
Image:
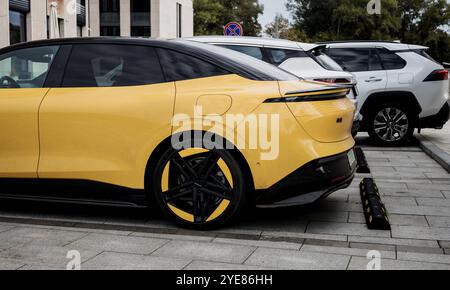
x=437 y=121
x=310 y=183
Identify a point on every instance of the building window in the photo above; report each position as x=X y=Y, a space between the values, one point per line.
x=81 y=16
x=140 y=18
x=110 y=18
x=17 y=27
x=179 y=20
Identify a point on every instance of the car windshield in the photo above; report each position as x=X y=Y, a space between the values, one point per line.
x=245 y=61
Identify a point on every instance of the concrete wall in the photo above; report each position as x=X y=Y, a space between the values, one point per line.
x=37 y=20
x=125 y=18
x=94 y=17
x=164 y=22
x=4 y=22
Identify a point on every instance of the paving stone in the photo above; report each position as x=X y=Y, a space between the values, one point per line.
x=4 y=228
x=447 y=251
x=400 y=175
x=393 y=241
x=428 y=186
x=418 y=210
x=41 y=267
x=345 y=251
x=422 y=233
x=413 y=193
x=260 y=243
x=425 y=250
x=403 y=180
x=8 y=264
x=121 y=244
x=26 y=235
x=395 y=219
x=41 y=254
x=215 y=266
x=358 y=263
x=172 y=237
x=392 y=163
x=122 y=261
x=446 y=193
x=439 y=221
x=325 y=243
x=420 y=257
x=428 y=170
x=273 y=235
x=345 y=228
x=215 y=252
x=433 y=202
x=369 y=246
x=296 y=260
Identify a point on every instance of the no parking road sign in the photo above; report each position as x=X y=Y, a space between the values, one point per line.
x=233 y=29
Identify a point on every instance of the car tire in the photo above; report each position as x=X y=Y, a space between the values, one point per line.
x=210 y=179
x=391 y=124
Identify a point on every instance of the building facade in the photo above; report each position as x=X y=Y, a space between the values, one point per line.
x=27 y=20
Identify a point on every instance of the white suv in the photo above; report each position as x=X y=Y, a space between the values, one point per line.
x=304 y=60
x=400 y=88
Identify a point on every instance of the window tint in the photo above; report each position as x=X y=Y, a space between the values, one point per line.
x=391 y=60
x=178 y=66
x=253 y=51
x=26 y=68
x=279 y=56
x=353 y=60
x=375 y=63
x=104 y=65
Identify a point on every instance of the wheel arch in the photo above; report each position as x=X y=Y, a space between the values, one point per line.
x=404 y=98
x=166 y=143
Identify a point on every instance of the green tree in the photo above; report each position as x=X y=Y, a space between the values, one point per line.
x=281 y=28
x=411 y=21
x=211 y=15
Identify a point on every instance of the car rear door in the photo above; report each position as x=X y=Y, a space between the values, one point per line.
x=23 y=73
x=113 y=108
x=365 y=64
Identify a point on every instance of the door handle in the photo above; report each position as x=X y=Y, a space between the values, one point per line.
x=373 y=80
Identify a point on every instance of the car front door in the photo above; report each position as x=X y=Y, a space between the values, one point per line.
x=365 y=64
x=113 y=108
x=23 y=73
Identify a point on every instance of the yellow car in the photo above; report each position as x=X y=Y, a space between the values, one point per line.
x=198 y=130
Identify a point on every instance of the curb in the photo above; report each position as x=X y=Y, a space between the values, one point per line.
x=439 y=155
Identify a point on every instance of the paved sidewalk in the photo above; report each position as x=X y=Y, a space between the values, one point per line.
x=329 y=235
x=440 y=138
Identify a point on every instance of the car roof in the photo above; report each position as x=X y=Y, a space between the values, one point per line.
x=260 y=41
x=200 y=50
x=390 y=45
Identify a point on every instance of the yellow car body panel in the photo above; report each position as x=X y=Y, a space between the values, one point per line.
x=108 y=134
x=103 y=134
x=19 y=135
x=296 y=146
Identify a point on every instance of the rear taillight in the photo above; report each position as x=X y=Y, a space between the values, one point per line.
x=437 y=75
x=335 y=81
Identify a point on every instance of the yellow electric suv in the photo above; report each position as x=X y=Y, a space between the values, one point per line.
x=197 y=130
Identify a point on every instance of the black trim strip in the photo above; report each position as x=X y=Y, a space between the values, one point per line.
x=310 y=98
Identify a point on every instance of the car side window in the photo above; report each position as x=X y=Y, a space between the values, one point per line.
x=351 y=59
x=375 y=63
x=179 y=66
x=390 y=60
x=278 y=56
x=26 y=68
x=107 y=65
x=253 y=51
